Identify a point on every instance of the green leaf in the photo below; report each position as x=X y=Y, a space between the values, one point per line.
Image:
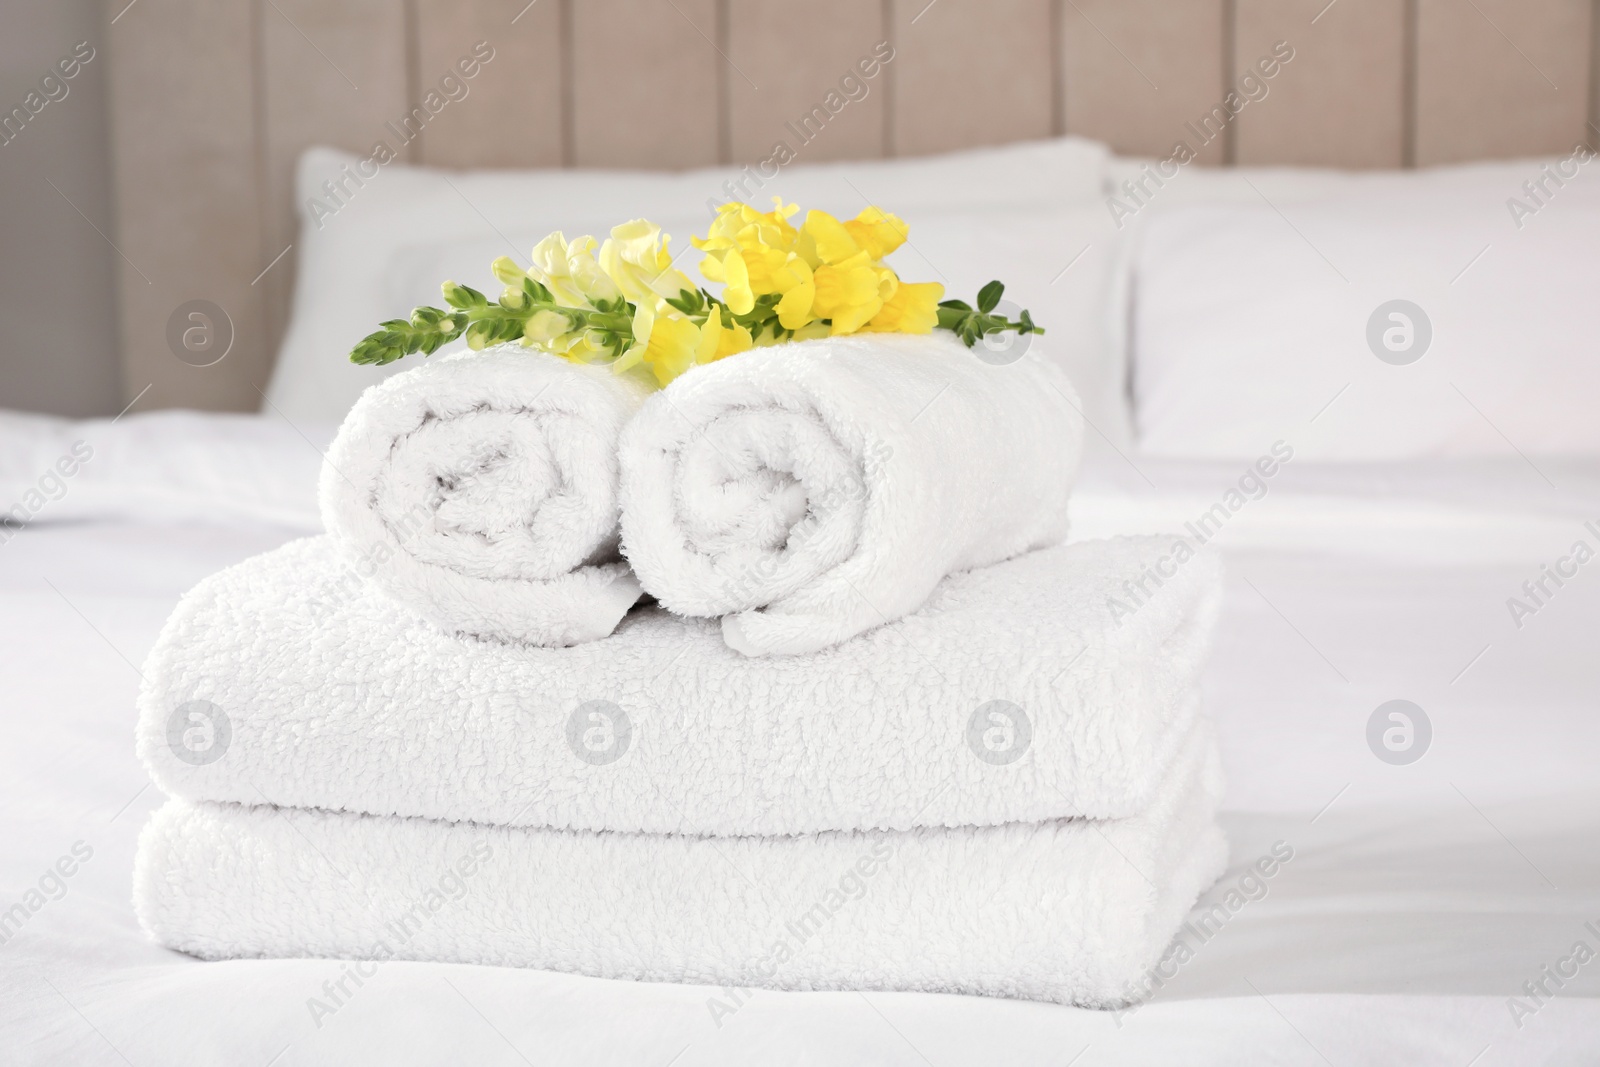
x=989 y=296
x=687 y=301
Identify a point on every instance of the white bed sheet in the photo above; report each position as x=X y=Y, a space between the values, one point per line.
x=1419 y=900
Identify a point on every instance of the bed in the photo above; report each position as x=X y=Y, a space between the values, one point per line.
x=1419 y=902
x=1411 y=754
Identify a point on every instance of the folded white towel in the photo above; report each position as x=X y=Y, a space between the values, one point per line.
x=480 y=490
x=810 y=491
x=1071 y=911
x=1029 y=690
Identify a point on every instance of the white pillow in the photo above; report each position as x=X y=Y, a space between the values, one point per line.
x=365 y=256
x=1257 y=321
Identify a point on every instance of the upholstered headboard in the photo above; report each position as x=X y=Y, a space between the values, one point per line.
x=213 y=100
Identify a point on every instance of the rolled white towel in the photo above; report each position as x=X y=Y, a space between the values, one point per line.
x=480 y=490
x=810 y=491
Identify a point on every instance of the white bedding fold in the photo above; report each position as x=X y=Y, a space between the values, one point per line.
x=480 y=490
x=1069 y=911
x=810 y=491
x=1042 y=687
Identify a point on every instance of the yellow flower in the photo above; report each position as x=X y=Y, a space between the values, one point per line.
x=823 y=239
x=742 y=226
x=585 y=270
x=742 y=239
x=570 y=272
x=914 y=308
x=549 y=267
x=851 y=292
x=717 y=340
x=666 y=342
x=876 y=232
x=736 y=291
x=674 y=344
x=637 y=259
x=829 y=276
x=769 y=269
x=799 y=293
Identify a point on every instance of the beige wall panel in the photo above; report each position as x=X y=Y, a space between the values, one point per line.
x=1137 y=70
x=211 y=104
x=797 y=62
x=1501 y=78
x=1340 y=101
x=185 y=194
x=334 y=74
x=512 y=113
x=645 y=83
x=970 y=72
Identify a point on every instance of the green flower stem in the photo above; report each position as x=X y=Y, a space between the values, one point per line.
x=970 y=324
x=609 y=324
x=485 y=323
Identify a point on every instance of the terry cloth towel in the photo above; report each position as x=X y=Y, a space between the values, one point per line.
x=1054 y=684
x=480 y=490
x=1069 y=910
x=810 y=491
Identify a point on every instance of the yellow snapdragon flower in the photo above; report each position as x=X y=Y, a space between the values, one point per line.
x=674 y=347
x=719 y=339
x=637 y=258
x=913 y=308
x=668 y=342
x=571 y=272
x=823 y=270
x=877 y=232
x=742 y=226
x=749 y=252
x=824 y=239
x=847 y=294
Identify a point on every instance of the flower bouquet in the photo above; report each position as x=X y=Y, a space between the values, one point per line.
x=625 y=304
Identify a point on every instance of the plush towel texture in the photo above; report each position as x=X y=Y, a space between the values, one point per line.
x=1054 y=684
x=1069 y=911
x=480 y=490
x=811 y=491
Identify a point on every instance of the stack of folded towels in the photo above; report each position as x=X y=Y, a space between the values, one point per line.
x=780 y=677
